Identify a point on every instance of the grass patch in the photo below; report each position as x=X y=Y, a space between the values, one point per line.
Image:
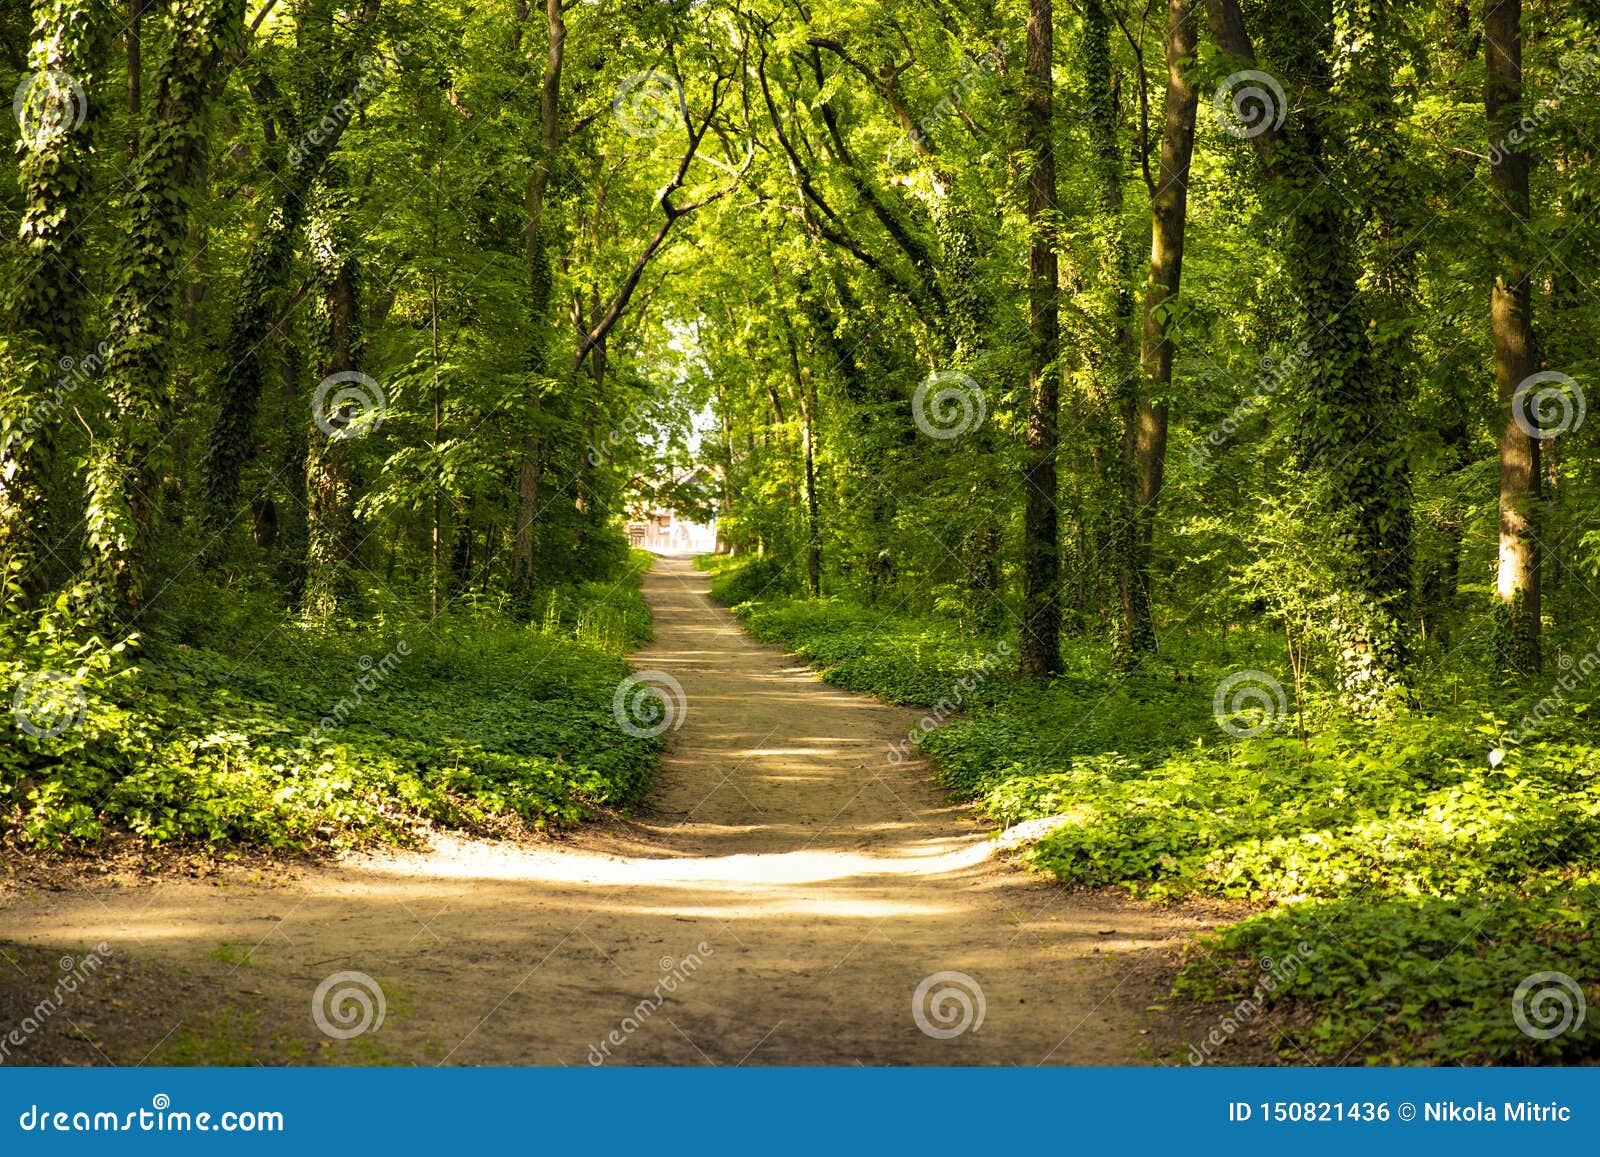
x=235 y=726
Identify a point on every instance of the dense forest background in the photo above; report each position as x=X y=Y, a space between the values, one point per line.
x=1221 y=366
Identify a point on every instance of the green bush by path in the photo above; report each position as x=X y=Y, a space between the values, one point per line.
x=1426 y=880
x=270 y=733
x=738 y=580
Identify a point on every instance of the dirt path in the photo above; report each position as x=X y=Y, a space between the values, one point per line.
x=785 y=897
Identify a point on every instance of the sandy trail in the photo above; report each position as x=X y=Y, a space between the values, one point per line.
x=785 y=894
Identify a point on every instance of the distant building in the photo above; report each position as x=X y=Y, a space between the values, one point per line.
x=654 y=528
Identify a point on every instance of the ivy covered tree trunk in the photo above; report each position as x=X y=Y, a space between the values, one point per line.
x=1350 y=430
x=808 y=437
x=329 y=490
x=541 y=282
x=294 y=448
x=259 y=301
x=1510 y=302
x=1113 y=412
x=1041 y=546
x=1351 y=418
x=127 y=456
x=59 y=112
x=1145 y=439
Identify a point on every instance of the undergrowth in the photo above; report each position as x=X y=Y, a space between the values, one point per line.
x=1419 y=869
x=234 y=724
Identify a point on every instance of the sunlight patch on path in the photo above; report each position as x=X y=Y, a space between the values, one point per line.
x=458 y=859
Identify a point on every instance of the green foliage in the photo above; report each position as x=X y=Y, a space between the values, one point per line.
x=303 y=739
x=752 y=577
x=1392 y=980
x=319 y=188
x=1427 y=879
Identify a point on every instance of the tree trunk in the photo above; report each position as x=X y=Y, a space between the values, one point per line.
x=808 y=418
x=1510 y=322
x=1041 y=596
x=258 y=308
x=536 y=255
x=1145 y=439
x=1349 y=443
x=330 y=521
x=46 y=303
x=126 y=462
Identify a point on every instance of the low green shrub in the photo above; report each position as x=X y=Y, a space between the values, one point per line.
x=291 y=737
x=1428 y=877
x=754 y=576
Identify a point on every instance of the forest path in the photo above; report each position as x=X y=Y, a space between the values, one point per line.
x=784 y=896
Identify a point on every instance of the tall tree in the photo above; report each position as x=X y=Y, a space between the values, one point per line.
x=1511 y=328
x=536 y=258
x=1145 y=438
x=59 y=115
x=1040 y=652
x=1351 y=417
x=125 y=459
x=328 y=100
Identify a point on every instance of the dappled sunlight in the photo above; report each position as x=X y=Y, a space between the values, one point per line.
x=818 y=883
x=470 y=860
